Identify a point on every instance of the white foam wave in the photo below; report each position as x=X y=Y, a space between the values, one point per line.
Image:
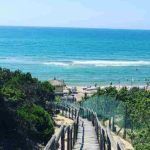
x=96 y=63
x=13 y=60
x=56 y=63
x=105 y=63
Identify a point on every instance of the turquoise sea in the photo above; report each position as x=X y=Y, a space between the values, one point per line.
x=79 y=56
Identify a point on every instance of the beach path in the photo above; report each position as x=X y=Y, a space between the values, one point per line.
x=87 y=136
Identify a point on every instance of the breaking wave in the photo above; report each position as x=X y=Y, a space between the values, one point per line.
x=96 y=63
x=99 y=63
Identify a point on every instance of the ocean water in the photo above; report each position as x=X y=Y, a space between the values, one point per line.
x=78 y=56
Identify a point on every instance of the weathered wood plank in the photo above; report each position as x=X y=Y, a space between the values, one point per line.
x=90 y=138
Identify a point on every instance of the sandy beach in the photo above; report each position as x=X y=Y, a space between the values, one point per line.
x=80 y=92
x=90 y=90
x=61 y=120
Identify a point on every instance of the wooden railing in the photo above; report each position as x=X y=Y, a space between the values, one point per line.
x=67 y=135
x=104 y=135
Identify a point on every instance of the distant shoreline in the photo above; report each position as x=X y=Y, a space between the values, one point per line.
x=81 y=90
x=107 y=85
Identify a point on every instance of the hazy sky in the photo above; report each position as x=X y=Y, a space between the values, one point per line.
x=76 y=13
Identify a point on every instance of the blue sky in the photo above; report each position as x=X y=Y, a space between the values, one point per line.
x=129 y=14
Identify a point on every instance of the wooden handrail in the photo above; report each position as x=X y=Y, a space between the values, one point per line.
x=111 y=141
x=70 y=130
x=59 y=133
x=51 y=143
x=104 y=135
x=120 y=145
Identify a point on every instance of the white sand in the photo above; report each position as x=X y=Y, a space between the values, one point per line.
x=81 y=91
x=61 y=120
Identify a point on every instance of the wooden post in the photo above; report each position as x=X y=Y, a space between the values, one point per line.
x=75 y=113
x=82 y=136
x=113 y=126
x=92 y=118
x=74 y=134
x=76 y=131
x=110 y=123
x=118 y=147
x=87 y=116
x=108 y=144
x=69 y=112
x=71 y=139
x=62 y=111
x=83 y=113
x=72 y=113
x=63 y=140
x=66 y=110
x=97 y=130
x=68 y=138
x=77 y=124
x=125 y=122
x=102 y=140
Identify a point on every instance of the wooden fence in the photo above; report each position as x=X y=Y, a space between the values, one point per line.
x=67 y=135
x=104 y=135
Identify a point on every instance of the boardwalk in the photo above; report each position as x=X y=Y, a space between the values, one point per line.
x=82 y=135
x=89 y=139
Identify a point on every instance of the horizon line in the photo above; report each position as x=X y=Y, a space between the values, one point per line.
x=73 y=27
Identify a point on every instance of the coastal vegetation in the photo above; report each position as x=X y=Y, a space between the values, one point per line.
x=24 y=121
x=129 y=107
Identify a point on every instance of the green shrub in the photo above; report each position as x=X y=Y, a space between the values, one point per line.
x=133 y=105
x=22 y=110
x=13 y=94
x=36 y=121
